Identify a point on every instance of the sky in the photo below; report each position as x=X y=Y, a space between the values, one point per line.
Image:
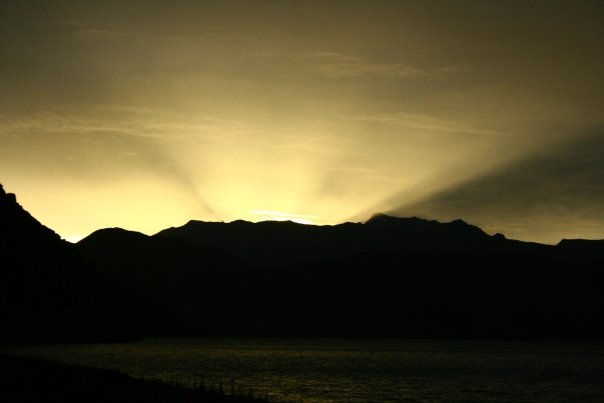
x=147 y=114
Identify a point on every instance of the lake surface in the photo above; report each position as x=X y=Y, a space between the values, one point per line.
x=360 y=370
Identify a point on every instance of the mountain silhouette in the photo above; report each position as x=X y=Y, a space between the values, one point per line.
x=19 y=227
x=284 y=242
x=48 y=292
x=165 y=280
x=388 y=277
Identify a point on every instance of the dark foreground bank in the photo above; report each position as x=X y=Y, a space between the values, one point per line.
x=33 y=380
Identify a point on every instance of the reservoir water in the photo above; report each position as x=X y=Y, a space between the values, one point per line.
x=313 y=370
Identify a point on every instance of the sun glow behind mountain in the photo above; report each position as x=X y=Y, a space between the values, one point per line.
x=316 y=112
x=264 y=215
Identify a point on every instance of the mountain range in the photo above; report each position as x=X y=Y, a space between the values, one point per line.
x=387 y=277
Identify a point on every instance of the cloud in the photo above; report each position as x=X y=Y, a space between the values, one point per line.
x=425 y=122
x=128 y=154
x=557 y=193
x=338 y=65
x=132 y=122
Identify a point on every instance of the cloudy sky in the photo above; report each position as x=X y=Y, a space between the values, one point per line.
x=145 y=114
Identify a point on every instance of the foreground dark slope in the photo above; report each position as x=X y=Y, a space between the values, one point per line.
x=389 y=277
x=30 y=380
x=48 y=292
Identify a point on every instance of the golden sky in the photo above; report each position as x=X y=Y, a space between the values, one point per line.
x=145 y=114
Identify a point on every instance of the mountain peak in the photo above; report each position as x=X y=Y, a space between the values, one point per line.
x=115 y=233
x=18 y=223
x=454 y=232
x=8 y=198
x=384 y=219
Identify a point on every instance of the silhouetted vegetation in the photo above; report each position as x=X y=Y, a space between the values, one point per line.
x=32 y=380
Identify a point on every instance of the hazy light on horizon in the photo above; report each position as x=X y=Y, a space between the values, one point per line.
x=145 y=115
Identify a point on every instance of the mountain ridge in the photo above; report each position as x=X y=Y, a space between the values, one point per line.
x=49 y=292
x=17 y=222
x=284 y=242
x=388 y=277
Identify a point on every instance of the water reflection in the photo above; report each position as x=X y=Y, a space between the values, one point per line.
x=360 y=370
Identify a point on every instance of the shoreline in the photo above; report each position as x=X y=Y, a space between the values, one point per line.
x=26 y=379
